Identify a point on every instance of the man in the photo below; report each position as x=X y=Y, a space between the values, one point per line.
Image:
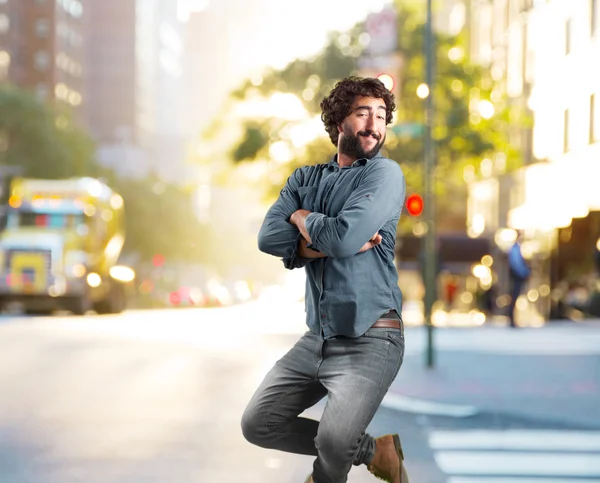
x=338 y=220
x=519 y=273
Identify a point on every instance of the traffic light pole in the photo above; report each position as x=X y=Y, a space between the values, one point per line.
x=429 y=208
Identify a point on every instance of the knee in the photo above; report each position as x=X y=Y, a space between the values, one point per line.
x=253 y=427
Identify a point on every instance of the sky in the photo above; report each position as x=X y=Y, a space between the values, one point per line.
x=283 y=30
x=247 y=36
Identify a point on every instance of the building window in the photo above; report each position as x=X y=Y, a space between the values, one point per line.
x=73 y=7
x=41 y=60
x=566 y=132
x=42 y=28
x=568 y=37
x=42 y=91
x=593 y=17
x=4 y=23
x=594 y=119
x=4 y=64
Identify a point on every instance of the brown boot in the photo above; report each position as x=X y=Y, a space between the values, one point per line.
x=387 y=462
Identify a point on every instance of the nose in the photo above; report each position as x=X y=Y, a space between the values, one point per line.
x=371 y=123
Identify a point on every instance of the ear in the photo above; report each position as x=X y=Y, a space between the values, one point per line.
x=339 y=126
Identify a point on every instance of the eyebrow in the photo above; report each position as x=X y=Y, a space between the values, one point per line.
x=369 y=108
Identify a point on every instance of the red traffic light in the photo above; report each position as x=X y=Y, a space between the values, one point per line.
x=414 y=204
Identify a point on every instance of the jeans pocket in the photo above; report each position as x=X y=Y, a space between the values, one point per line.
x=380 y=333
x=396 y=338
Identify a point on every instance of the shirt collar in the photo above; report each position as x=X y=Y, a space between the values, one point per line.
x=359 y=162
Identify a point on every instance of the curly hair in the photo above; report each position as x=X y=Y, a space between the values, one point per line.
x=336 y=107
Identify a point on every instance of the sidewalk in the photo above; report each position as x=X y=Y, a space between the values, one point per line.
x=550 y=373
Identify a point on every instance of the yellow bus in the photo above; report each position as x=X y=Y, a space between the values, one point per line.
x=60 y=246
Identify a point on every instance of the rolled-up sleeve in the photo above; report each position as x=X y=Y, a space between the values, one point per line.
x=378 y=197
x=277 y=236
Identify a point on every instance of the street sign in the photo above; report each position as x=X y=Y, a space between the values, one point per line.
x=409 y=129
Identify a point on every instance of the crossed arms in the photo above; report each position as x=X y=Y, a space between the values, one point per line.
x=298 y=219
x=287 y=228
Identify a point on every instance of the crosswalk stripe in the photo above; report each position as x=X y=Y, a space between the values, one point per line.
x=541 y=440
x=519 y=464
x=483 y=479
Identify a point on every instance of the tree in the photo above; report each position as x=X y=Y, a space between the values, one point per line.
x=41 y=138
x=471 y=121
x=45 y=142
x=159 y=218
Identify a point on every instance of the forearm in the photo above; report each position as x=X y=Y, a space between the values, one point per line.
x=278 y=238
x=306 y=252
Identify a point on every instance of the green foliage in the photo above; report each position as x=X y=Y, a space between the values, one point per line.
x=42 y=139
x=462 y=136
x=254 y=139
x=45 y=142
x=159 y=218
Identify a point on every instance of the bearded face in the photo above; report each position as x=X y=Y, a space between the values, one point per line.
x=363 y=144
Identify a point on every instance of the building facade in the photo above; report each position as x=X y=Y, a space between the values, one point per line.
x=134 y=56
x=42 y=48
x=553 y=198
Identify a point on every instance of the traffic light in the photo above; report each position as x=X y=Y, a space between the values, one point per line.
x=414 y=204
x=388 y=81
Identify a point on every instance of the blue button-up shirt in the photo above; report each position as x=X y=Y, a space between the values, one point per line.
x=347 y=291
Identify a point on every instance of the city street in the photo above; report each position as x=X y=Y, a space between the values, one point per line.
x=156 y=396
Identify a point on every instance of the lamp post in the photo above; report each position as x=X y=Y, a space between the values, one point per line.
x=430 y=236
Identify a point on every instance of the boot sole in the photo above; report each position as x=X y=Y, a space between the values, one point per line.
x=398 y=446
x=400 y=453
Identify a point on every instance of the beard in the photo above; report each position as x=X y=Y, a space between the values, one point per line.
x=350 y=144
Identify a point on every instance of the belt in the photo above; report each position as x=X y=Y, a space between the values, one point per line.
x=388 y=324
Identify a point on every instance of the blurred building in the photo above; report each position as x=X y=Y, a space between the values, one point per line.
x=554 y=198
x=159 y=87
x=112 y=112
x=134 y=60
x=223 y=45
x=42 y=48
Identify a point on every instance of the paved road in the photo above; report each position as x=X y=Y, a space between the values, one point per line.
x=156 y=396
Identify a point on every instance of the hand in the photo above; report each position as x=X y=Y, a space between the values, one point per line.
x=298 y=219
x=372 y=243
x=305 y=252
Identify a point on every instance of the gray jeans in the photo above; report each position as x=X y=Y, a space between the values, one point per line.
x=355 y=374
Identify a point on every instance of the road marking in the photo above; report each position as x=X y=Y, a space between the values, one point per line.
x=517 y=456
x=421 y=406
x=480 y=479
x=525 y=440
x=518 y=464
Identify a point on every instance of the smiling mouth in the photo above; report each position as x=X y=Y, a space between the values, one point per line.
x=370 y=136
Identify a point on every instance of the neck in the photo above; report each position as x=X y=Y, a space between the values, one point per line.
x=344 y=160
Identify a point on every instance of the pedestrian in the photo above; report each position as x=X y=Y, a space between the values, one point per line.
x=338 y=220
x=519 y=272
x=597 y=256
x=450 y=289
